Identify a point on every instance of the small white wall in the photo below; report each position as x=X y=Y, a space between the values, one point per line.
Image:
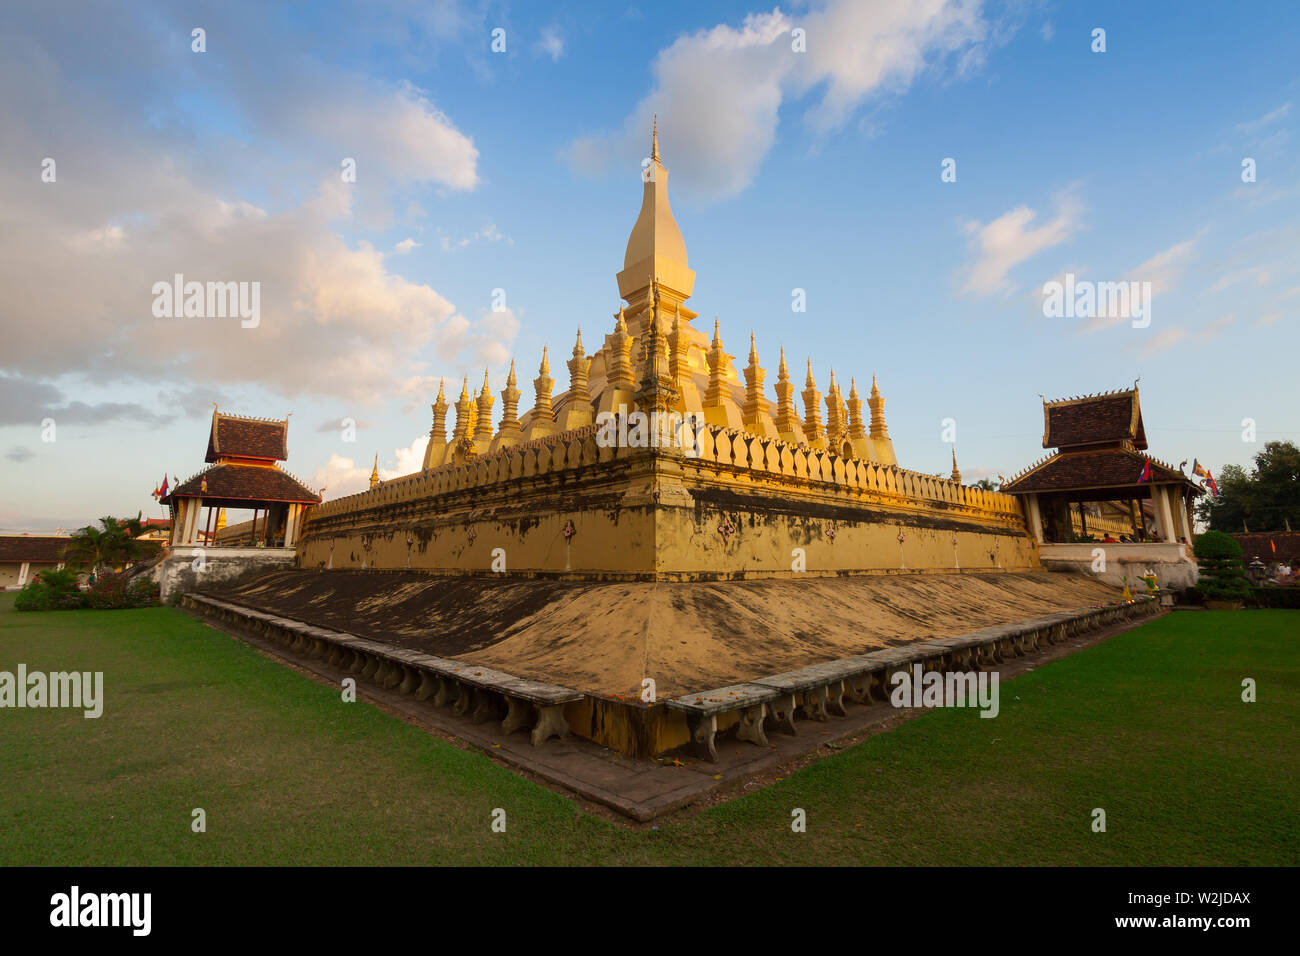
x=1172 y=562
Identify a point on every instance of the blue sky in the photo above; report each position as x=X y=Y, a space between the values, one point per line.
x=520 y=171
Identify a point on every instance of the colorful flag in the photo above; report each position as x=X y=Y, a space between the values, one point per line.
x=162 y=492
x=1272 y=544
x=1197 y=470
x=1209 y=480
x=1146 y=472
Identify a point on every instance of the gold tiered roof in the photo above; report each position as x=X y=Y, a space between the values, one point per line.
x=694 y=373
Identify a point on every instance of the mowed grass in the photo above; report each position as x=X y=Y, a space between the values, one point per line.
x=1149 y=726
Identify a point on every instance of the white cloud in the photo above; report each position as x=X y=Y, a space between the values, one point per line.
x=551 y=43
x=1162 y=341
x=1251 y=127
x=1048 y=31
x=1211 y=330
x=342 y=476
x=718 y=91
x=1012 y=238
x=405 y=246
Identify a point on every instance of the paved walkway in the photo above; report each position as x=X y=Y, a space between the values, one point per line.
x=645 y=789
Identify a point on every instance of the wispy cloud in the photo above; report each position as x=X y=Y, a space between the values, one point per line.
x=1012 y=238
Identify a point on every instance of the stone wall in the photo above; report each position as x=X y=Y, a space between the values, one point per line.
x=188 y=569
x=738 y=505
x=1172 y=562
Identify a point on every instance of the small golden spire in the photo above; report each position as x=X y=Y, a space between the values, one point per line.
x=753 y=349
x=546 y=365
x=654 y=138
x=510 y=379
x=717 y=335
x=441 y=397
x=374 y=473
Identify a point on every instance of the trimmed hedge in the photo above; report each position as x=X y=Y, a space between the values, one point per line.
x=1287 y=598
x=1223 y=577
x=59 y=591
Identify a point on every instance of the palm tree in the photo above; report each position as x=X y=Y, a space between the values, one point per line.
x=987 y=484
x=112 y=544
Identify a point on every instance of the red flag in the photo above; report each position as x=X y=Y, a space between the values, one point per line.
x=1214 y=488
x=1146 y=472
x=162 y=492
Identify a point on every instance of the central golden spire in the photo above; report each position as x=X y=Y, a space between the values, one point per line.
x=656 y=246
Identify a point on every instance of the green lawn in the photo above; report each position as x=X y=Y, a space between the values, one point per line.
x=1149 y=726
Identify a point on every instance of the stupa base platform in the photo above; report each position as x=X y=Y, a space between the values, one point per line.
x=840 y=701
x=606 y=661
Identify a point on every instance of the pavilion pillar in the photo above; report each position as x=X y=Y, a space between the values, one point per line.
x=291 y=525
x=1035 y=519
x=1183 y=520
x=1164 y=516
x=192 y=525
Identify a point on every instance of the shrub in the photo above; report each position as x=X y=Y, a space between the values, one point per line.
x=1222 y=576
x=51 y=591
x=114 y=591
x=1288 y=597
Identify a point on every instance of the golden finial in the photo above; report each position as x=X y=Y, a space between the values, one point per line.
x=577 y=346
x=486 y=390
x=374 y=474
x=546 y=366
x=654 y=138
x=464 y=388
x=753 y=349
x=440 y=395
x=717 y=335
x=510 y=379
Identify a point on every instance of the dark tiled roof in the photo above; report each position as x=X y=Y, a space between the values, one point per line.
x=245 y=482
x=1109 y=418
x=32 y=547
x=1103 y=468
x=247 y=438
x=1257 y=546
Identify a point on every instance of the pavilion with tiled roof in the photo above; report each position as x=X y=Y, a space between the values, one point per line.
x=243 y=473
x=1100 y=442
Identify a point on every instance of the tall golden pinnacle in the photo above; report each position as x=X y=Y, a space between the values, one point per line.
x=678 y=345
x=834 y=423
x=877 y=403
x=509 y=426
x=619 y=346
x=754 y=376
x=956 y=474
x=543 y=385
x=657 y=392
x=464 y=408
x=579 y=367
x=812 y=422
x=374 y=474
x=856 y=428
x=786 y=418
x=717 y=369
x=483 y=432
x=655 y=246
x=438 y=433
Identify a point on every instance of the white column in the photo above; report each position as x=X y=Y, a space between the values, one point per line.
x=1184 y=526
x=22 y=573
x=291 y=525
x=1164 y=516
x=1035 y=519
x=192 y=521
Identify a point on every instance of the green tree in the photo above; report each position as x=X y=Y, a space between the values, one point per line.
x=1266 y=499
x=115 y=543
x=988 y=484
x=1222 y=576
